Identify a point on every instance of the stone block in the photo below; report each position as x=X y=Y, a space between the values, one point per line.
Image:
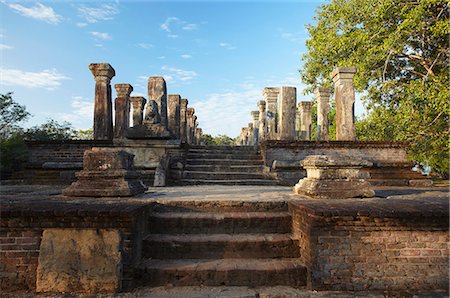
x=79 y=260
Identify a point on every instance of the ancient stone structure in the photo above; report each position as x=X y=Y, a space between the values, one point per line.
x=157 y=91
x=255 y=118
x=122 y=109
x=335 y=177
x=286 y=113
x=189 y=125
x=323 y=107
x=245 y=136
x=183 y=119
x=271 y=96
x=262 y=120
x=103 y=120
x=151 y=127
x=305 y=125
x=198 y=135
x=298 y=123
x=138 y=104
x=344 y=93
x=250 y=130
x=107 y=172
x=194 y=127
x=174 y=115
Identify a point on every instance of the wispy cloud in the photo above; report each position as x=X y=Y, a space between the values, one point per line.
x=166 y=26
x=82 y=24
x=48 y=79
x=101 y=35
x=189 y=27
x=174 y=74
x=172 y=25
x=186 y=56
x=295 y=37
x=39 y=12
x=162 y=57
x=144 y=45
x=227 y=46
x=82 y=110
x=5 y=47
x=103 y=12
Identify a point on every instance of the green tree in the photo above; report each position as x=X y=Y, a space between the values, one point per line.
x=400 y=49
x=84 y=134
x=51 y=130
x=220 y=140
x=11 y=113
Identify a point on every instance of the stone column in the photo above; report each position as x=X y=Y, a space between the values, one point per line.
x=189 y=124
x=323 y=108
x=255 y=118
x=262 y=120
x=344 y=93
x=286 y=114
x=183 y=119
x=305 y=126
x=122 y=109
x=194 y=127
x=198 y=135
x=174 y=115
x=298 y=124
x=244 y=136
x=138 y=103
x=103 y=123
x=250 y=140
x=271 y=96
x=157 y=91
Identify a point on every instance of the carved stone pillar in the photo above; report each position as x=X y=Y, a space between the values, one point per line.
x=255 y=118
x=174 y=115
x=271 y=96
x=189 y=124
x=298 y=124
x=250 y=135
x=183 y=119
x=122 y=109
x=194 y=127
x=286 y=123
x=157 y=91
x=323 y=108
x=103 y=124
x=262 y=120
x=138 y=104
x=344 y=93
x=244 y=136
x=305 y=114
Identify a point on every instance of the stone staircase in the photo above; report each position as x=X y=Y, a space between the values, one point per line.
x=224 y=165
x=231 y=244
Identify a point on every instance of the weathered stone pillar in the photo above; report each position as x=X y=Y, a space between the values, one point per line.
x=122 y=109
x=305 y=114
x=244 y=136
x=298 y=124
x=262 y=120
x=255 y=118
x=174 y=115
x=198 y=135
x=183 y=119
x=189 y=124
x=323 y=107
x=138 y=103
x=344 y=93
x=286 y=123
x=157 y=91
x=271 y=96
x=250 y=135
x=194 y=127
x=103 y=123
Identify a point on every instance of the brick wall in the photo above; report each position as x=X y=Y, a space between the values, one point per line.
x=374 y=244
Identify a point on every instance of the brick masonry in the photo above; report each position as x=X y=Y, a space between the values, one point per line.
x=374 y=244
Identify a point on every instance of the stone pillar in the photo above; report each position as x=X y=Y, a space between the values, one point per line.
x=194 y=127
x=189 y=124
x=138 y=103
x=262 y=120
x=271 y=96
x=244 y=136
x=103 y=124
x=250 y=135
x=157 y=91
x=198 y=135
x=286 y=114
x=305 y=126
x=174 y=115
x=323 y=108
x=345 y=103
x=255 y=118
x=298 y=124
x=183 y=119
x=122 y=109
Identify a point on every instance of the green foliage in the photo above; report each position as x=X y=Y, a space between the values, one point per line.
x=220 y=140
x=52 y=130
x=400 y=49
x=13 y=153
x=11 y=113
x=84 y=134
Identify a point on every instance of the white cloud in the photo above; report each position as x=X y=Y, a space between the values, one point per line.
x=104 y=12
x=227 y=46
x=173 y=24
x=186 y=56
x=173 y=35
x=48 y=79
x=167 y=24
x=178 y=75
x=162 y=57
x=101 y=35
x=82 y=112
x=190 y=27
x=38 y=12
x=5 y=47
x=144 y=46
x=296 y=37
x=81 y=24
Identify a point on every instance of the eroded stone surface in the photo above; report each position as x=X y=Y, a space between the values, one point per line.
x=122 y=109
x=305 y=123
x=323 y=107
x=183 y=119
x=262 y=120
x=157 y=91
x=286 y=121
x=152 y=128
x=271 y=97
x=138 y=103
x=79 y=260
x=174 y=115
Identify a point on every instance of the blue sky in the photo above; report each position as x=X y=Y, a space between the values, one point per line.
x=219 y=55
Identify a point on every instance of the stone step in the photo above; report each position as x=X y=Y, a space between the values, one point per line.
x=225 y=168
x=219 y=223
x=226 y=272
x=228 y=208
x=227 y=182
x=238 y=148
x=396 y=175
x=389 y=182
x=219 y=246
x=224 y=152
x=222 y=175
x=209 y=161
x=223 y=156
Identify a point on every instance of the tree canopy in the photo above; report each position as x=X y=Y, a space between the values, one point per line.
x=11 y=114
x=400 y=49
